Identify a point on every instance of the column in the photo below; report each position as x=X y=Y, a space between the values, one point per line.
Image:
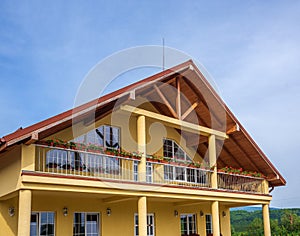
x=212 y=153
x=266 y=219
x=142 y=213
x=215 y=217
x=141 y=141
x=24 y=212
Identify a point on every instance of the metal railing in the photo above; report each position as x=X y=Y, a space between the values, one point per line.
x=240 y=183
x=63 y=161
x=81 y=163
x=179 y=175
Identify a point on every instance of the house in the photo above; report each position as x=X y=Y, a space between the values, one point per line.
x=163 y=156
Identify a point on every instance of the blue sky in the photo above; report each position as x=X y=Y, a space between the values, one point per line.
x=251 y=48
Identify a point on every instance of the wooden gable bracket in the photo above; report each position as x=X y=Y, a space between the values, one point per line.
x=233 y=129
x=165 y=101
x=189 y=110
x=178 y=98
x=34 y=137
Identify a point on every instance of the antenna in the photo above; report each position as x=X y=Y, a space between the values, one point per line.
x=163 y=59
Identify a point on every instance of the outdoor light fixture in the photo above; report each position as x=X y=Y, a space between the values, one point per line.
x=65 y=211
x=11 y=211
x=108 y=211
x=223 y=213
x=201 y=213
x=175 y=213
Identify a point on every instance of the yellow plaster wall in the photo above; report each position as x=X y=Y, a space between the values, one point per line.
x=128 y=126
x=8 y=224
x=225 y=220
x=28 y=157
x=121 y=220
x=10 y=166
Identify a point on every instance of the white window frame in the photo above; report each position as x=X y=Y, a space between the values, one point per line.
x=135 y=171
x=85 y=222
x=149 y=172
x=84 y=138
x=172 y=173
x=149 y=216
x=186 y=156
x=38 y=223
x=189 y=231
x=208 y=224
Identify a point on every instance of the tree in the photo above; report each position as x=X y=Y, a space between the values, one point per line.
x=256 y=227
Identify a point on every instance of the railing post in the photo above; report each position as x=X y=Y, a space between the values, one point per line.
x=141 y=142
x=212 y=152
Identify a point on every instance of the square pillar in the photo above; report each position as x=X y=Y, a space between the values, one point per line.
x=141 y=142
x=142 y=214
x=215 y=217
x=24 y=212
x=266 y=219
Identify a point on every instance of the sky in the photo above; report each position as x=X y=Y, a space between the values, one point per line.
x=250 y=48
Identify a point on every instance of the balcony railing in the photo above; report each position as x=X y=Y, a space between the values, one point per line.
x=240 y=183
x=63 y=161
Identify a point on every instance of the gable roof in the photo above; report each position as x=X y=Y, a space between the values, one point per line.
x=240 y=150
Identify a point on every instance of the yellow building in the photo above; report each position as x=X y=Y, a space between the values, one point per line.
x=163 y=156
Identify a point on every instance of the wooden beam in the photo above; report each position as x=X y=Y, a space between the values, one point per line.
x=112 y=200
x=165 y=101
x=233 y=129
x=245 y=155
x=199 y=95
x=3 y=146
x=189 y=110
x=132 y=95
x=34 y=137
x=161 y=85
x=225 y=149
x=178 y=99
x=183 y=125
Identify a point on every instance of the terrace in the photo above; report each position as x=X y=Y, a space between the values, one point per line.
x=123 y=167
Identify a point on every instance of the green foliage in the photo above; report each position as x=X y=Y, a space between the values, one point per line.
x=283 y=222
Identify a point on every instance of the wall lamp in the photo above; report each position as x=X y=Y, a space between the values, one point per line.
x=11 y=211
x=201 y=213
x=175 y=213
x=108 y=211
x=223 y=213
x=65 y=211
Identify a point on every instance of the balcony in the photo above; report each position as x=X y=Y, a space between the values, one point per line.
x=94 y=164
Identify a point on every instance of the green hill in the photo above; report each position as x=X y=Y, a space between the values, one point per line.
x=283 y=222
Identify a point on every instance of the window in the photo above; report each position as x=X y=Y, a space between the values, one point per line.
x=42 y=223
x=208 y=223
x=135 y=171
x=173 y=150
x=184 y=174
x=150 y=225
x=188 y=224
x=106 y=136
x=86 y=224
x=102 y=164
x=149 y=172
x=63 y=159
